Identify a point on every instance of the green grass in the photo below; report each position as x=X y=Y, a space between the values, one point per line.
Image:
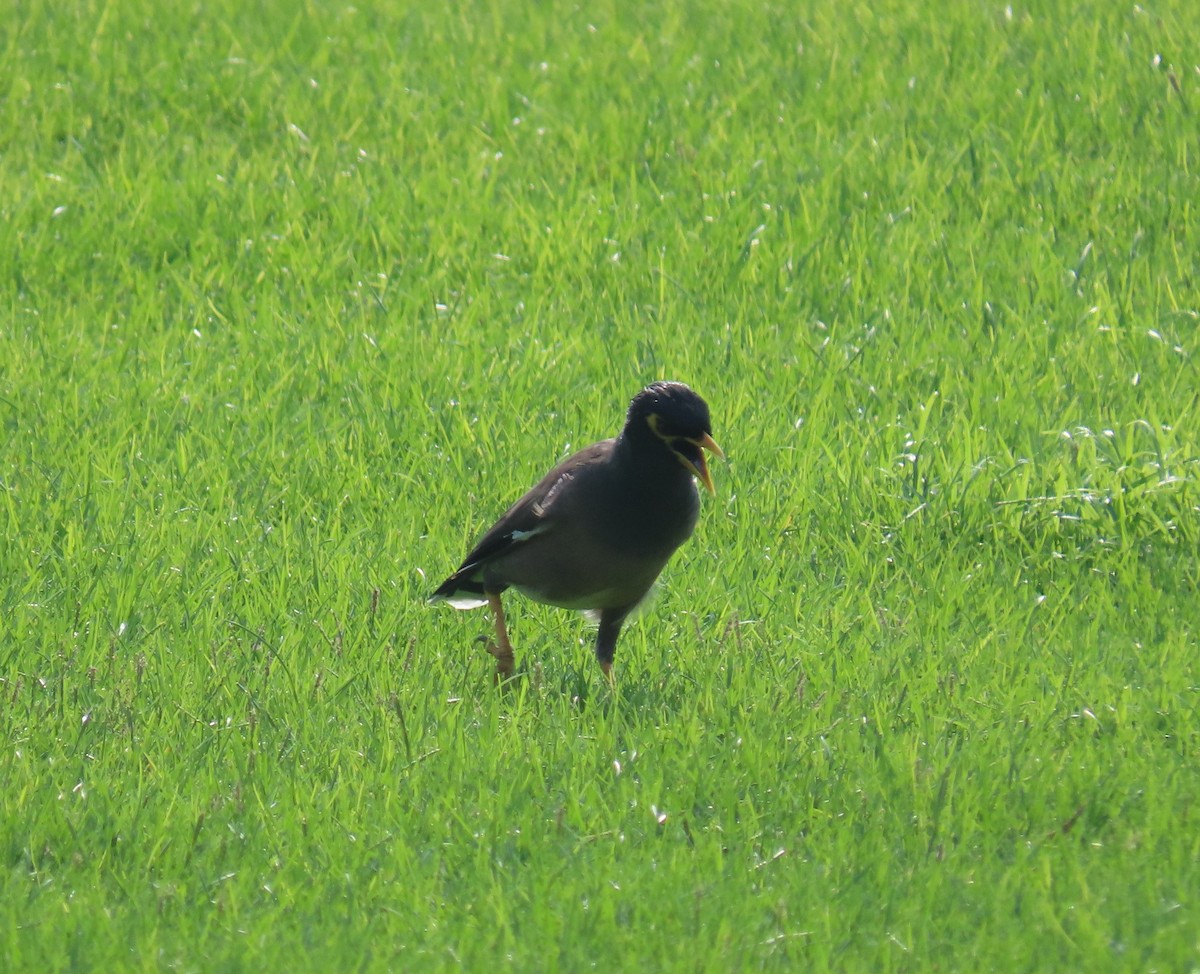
x=297 y=298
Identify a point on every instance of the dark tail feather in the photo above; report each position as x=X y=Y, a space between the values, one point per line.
x=459 y=587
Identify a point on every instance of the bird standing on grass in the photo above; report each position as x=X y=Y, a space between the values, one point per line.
x=595 y=532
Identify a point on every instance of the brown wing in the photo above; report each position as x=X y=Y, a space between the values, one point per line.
x=530 y=516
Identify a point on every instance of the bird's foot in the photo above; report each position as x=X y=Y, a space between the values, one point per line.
x=504 y=659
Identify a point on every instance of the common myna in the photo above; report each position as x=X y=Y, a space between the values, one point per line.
x=595 y=532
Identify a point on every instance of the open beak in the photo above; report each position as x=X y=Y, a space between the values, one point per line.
x=698 y=466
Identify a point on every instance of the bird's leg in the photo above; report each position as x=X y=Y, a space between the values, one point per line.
x=606 y=638
x=501 y=648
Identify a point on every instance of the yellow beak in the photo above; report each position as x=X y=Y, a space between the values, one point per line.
x=700 y=469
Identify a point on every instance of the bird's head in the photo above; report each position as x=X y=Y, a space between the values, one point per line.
x=671 y=415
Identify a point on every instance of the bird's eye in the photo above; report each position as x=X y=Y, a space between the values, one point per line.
x=654 y=421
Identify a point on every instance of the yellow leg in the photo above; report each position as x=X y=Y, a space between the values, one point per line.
x=501 y=648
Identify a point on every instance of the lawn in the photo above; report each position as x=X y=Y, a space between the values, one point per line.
x=298 y=297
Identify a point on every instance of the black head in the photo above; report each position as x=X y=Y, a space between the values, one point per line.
x=669 y=414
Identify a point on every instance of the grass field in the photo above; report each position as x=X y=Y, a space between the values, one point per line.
x=297 y=297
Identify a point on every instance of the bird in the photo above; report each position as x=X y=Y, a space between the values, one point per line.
x=595 y=532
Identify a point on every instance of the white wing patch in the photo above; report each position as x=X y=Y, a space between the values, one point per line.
x=518 y=536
